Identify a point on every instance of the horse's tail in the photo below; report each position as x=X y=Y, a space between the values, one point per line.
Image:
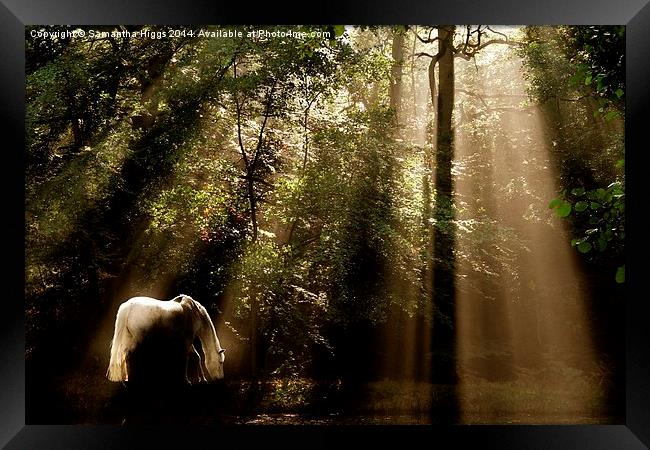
x=117 y=366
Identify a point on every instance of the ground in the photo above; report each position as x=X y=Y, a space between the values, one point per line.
x=92 y=399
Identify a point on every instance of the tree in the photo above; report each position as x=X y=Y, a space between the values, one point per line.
x=443 y=337
x=442 y=97
x=396 y=72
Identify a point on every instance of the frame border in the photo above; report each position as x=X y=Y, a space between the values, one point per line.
x=635 y=14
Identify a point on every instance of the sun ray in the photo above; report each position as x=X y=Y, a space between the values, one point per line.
x=533 y=322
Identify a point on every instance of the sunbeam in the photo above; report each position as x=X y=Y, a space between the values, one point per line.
x=534 y=316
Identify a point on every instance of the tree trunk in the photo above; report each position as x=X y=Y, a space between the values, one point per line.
x=252 y=200
x=413 y=85
x=254 y=306
x=396 y=72
x=444 y=299
x=422 y=327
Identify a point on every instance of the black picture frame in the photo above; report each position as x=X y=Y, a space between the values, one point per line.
x=15 y=14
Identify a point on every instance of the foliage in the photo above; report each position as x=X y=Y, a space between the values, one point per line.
x=599 y=221
x=599 y=53
x=582 y=69
x=578 y=60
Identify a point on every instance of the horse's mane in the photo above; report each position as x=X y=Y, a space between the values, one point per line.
x=179 y=298
x=197 y=309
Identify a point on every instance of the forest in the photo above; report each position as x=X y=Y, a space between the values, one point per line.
x=419 y=224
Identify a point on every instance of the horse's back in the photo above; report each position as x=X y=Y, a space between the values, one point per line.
x=150 y=302
x=151 y=307
x=146 y=314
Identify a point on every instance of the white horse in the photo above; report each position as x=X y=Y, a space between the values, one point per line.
x=181 y=318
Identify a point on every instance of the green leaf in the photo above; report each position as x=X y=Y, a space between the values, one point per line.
x=578 y=191
x=611 y=115
x=564 y=209
x=608 y=235
x=619 y=93
x=584 y=247
x=339 y=30
x=620 y=163
x=575 y=78
x=620 y=274
x=588 y=80
x=594 y=205
x=554 y=203
x=581 y=206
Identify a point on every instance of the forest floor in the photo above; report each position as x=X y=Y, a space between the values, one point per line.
x=91 y=399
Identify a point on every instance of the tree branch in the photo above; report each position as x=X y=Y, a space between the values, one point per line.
x=267 y=110
x=429 y=39
x=238 y=107
x=564 y=99
x=475 y=49
x=483 y=95
x=256 y=179
x=496 y=32
x=500 y=108
x=499 y=41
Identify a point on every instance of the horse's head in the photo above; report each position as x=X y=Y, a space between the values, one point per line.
x=215 y=355
x=222 y=358
x=215 y=366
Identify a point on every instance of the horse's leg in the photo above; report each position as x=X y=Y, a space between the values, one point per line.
x=201 y=370
x=187 y=364
x=199 y=364
x=125 y=365
x=204 y=369
x=191 y=352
